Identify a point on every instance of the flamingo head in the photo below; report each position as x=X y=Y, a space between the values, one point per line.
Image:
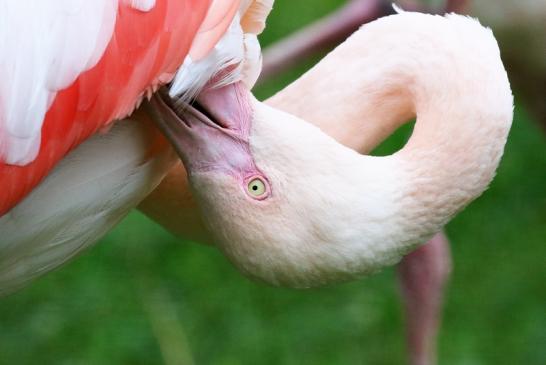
x=291 y=206
x=285 y=202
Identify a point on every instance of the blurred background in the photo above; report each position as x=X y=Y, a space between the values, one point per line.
x=142 y=296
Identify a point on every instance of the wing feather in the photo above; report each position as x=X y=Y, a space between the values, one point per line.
x=86 y=194
x=100 y=181
x=70 y=67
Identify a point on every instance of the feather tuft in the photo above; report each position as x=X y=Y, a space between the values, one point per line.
x=223 y=64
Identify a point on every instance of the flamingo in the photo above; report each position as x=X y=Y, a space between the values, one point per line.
x=144 y=139
x=66 y=82
x=380 y=102
x=348 y=215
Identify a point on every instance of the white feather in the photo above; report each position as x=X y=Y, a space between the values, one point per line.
x=44 y=45
x=142 y=5
x=398 y=9
x=192 y=77
x=252 y=66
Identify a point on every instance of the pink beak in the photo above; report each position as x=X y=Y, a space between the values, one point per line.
x=212 y=133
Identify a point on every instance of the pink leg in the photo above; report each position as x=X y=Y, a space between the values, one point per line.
x=333 y=29
x=423 y=275
x=324 y=33
x=457 y=6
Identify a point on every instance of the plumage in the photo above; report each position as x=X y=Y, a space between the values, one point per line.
x=75 y=66
x=53 y=49
x=329 y=213
x=87 y=194
x=194 y=74
x=400 y=200
x=97 y=183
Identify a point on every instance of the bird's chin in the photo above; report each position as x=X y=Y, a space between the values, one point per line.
x=248 y=234
x=286 y=273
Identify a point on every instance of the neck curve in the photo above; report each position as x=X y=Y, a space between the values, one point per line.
x=375 y=92
x=447 y=72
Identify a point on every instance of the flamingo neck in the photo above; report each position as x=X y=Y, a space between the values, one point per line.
x=373 y=94
x=445 y=71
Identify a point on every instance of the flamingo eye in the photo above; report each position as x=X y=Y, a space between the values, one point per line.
x=257 y=188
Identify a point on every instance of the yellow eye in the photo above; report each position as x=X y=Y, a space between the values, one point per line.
x=257 y=187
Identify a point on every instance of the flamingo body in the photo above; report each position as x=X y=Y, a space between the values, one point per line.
x=81 y=183
x=85 y=195
x=347 y=215
x=66 y=81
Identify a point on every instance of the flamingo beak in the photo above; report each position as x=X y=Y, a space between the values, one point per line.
x=211 y=134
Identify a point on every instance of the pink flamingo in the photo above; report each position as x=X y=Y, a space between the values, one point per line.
x=258 y=186
x=379 y=102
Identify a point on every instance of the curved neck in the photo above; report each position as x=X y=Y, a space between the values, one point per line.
x=388 y=72
x=445 y=71
x=359 y=106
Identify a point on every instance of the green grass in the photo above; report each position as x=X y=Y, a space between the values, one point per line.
x=142 y=296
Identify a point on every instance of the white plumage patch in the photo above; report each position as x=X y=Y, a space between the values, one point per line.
x=229 y=52
x=45 y=46
x=142 y=5
x=252 y=66
x=255 y=14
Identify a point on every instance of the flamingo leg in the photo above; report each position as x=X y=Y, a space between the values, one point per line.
x=333 y=29
x=423 y=275
x=320 y=35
